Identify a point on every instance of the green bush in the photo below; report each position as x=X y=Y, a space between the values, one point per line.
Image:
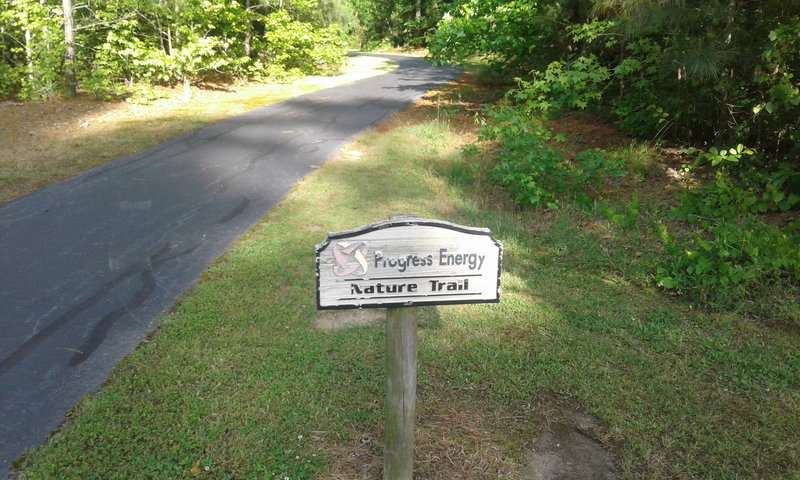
x=299 y=45
x=9 y=80
x=640 y=108
x=733 y=260
x=509 y=34
x=537 y=172
x=729 y=253
x=103 y=83
x=564 y=86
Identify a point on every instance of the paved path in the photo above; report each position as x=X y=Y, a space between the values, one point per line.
x=87 y=265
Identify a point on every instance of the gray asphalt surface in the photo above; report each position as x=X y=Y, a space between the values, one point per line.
x=87 y=265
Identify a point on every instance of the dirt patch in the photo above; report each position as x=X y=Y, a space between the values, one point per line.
x=465 y=441
x=451 y=442
x=566 y=450
x=584 y=131
x=459 y=439
x=464 y=94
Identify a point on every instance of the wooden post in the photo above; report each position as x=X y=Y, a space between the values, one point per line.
x=401 y=393
x=399 y=265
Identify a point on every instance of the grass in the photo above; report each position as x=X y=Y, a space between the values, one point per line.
x=238 y=383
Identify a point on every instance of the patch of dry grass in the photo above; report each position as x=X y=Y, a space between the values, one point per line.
x=452 y=441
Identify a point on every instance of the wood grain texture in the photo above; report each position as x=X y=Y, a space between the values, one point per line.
x=393 y=264
x=401 y=393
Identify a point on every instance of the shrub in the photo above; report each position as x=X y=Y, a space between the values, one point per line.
x=731 y=254
x=9 y=80
x=299 y=45
x=731 y=260
x=564 y=85
x=539 y=173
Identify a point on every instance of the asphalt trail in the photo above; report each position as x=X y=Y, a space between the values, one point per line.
x=87 y=265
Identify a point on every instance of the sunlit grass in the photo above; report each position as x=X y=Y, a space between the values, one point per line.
x=640 y=159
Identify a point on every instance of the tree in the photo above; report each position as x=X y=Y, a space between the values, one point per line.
x=400 y=22
x=69 y=51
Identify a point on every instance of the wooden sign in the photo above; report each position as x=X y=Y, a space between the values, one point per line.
x=408 y=261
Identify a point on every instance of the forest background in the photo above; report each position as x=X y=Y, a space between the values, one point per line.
x=717 y=79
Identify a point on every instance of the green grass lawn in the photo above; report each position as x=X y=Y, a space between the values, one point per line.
x=237 y=383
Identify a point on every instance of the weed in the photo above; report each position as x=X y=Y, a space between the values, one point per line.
x=537 y=172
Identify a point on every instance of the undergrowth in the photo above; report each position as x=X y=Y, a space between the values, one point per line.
x=719 y=246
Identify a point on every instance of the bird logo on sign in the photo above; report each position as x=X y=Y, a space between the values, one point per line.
x=351 y=259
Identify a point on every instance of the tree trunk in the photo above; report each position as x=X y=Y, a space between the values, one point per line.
x=187 y=88
x=69 y=54
x=418 y=21
x=731 y=19
x=249 y=34
x=169 y=40
x=29 y=53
